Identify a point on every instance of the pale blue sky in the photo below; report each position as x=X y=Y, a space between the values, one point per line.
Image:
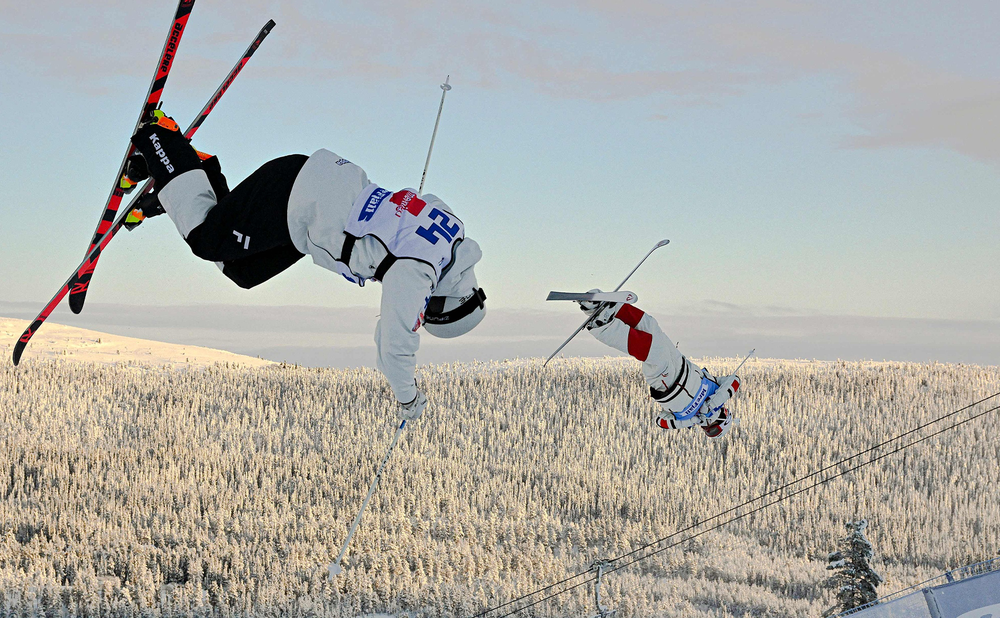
x=803 y=157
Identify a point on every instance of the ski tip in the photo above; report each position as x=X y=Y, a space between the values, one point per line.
x=665 y=241
x=270 y=24
x=16 y=357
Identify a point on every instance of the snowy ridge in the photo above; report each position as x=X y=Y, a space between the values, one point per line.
x=70 y=343
x=228 y=490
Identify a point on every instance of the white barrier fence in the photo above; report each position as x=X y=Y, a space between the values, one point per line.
x=969 y=592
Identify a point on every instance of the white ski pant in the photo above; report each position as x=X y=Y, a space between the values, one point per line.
x=637 y=334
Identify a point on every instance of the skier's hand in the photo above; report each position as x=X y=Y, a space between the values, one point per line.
x=411 y=411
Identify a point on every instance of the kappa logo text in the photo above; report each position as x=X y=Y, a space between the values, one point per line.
x=164 y=159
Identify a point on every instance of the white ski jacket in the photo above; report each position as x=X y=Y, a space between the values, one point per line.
x=319 y=211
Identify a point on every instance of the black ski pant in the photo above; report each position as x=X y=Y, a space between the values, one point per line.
x=247 y=231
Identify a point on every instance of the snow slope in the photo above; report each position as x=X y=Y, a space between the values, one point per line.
x=69 y=343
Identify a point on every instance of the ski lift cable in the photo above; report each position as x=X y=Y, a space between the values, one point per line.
x=730 y=520
x=749 y=502
x=807 y=488
x=816 y=473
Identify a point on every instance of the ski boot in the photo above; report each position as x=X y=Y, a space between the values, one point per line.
x=166 y=153
x=603 y=312
x=716 y=418
x=159 y=140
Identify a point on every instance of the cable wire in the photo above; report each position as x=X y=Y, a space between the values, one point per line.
x=749 y=502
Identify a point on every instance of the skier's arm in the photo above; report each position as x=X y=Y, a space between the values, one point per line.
x=405 y=290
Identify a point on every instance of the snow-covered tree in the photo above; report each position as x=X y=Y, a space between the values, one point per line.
x=225 y=491
x=853 y=577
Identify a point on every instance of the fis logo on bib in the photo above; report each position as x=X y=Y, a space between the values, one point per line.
x=341 y=161
x=408 y=201
x=374 y=201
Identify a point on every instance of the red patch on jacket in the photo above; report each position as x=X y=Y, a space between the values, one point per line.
x=639 y=343
x=408 y=201
x=630 y=315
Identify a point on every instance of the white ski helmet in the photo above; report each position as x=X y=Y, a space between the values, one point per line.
x=452 y=316
x=458 y=303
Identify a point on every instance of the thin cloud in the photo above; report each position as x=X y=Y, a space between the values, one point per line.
x=675 y=53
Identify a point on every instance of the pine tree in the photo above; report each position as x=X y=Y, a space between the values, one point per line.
x=853 y=579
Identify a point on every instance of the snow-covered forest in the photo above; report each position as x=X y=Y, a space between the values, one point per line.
x=135 y=490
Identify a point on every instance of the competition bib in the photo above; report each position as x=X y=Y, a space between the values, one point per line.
x=406 y=225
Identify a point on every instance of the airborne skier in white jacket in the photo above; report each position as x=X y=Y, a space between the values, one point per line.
x=323 y=206
x=688 y=396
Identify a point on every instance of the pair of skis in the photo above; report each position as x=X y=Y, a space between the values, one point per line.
x=113 y=217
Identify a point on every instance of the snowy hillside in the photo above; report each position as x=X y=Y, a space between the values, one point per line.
x=226 y=491
x=67 y=342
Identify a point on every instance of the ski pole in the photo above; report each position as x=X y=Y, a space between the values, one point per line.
x=444 y=90
x=745 y=359
x=590 y=319
x=335 y=568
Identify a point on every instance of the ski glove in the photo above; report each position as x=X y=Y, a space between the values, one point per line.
x=411 y=411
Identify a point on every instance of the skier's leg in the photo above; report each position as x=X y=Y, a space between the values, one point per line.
x=631 y=330
x=673 y=380
x=245 y=230
x=252 y=271
x=252 y=218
